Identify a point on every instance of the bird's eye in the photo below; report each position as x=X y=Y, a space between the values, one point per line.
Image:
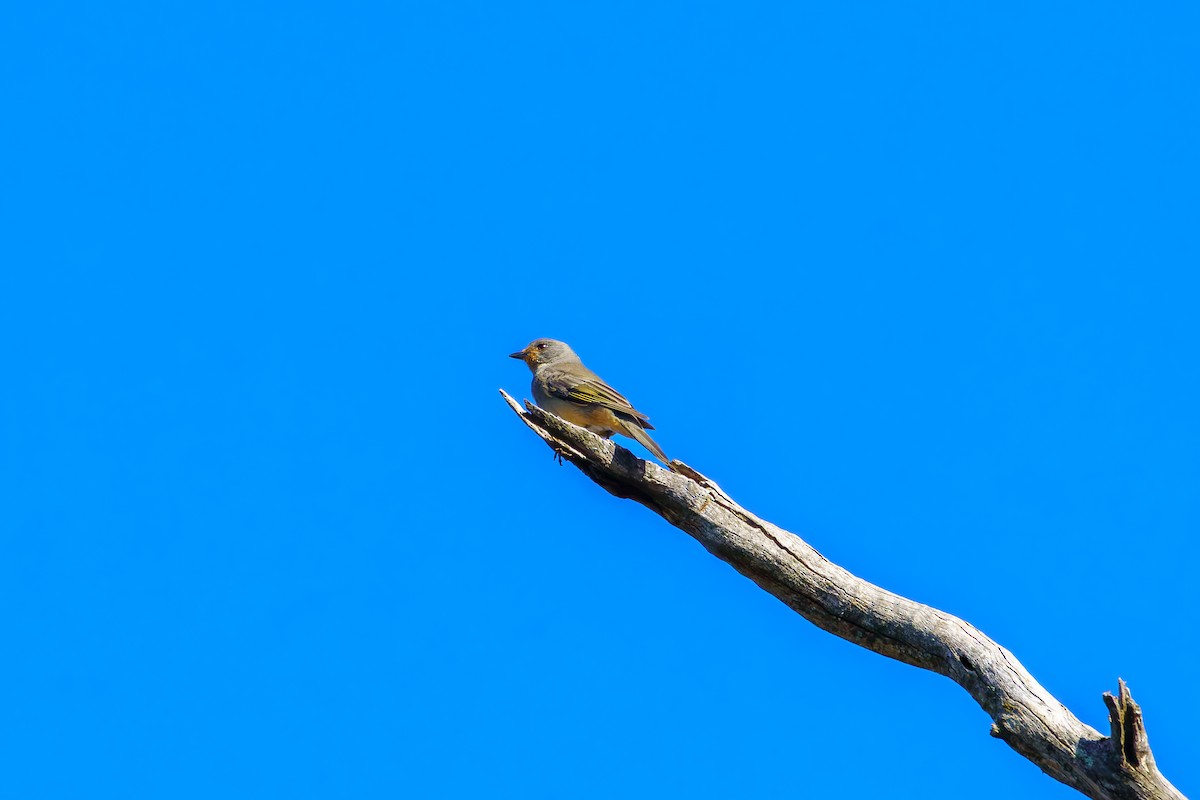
x=541 y=345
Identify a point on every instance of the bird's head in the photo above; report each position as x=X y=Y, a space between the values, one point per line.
x=544 y=351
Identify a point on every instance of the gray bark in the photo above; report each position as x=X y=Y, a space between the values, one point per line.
x=1115 y=767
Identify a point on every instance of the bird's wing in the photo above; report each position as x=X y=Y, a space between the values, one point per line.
x=588 y=391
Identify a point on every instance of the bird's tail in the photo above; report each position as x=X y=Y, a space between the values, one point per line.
x=636 y=431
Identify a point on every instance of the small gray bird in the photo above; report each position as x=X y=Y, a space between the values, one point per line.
x=566 y=388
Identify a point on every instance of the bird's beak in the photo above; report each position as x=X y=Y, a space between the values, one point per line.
x=519 y=354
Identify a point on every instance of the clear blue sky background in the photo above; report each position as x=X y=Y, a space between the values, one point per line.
x=915 y=281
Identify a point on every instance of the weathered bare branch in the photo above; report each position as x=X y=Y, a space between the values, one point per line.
x=1025 y=715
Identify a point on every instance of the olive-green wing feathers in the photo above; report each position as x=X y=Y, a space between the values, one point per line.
x=593 y=391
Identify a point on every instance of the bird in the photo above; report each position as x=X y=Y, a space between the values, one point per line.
x=566 y=388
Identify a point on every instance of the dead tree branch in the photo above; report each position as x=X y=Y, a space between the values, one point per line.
x=1026 y=716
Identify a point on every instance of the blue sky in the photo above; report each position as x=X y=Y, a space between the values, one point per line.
x=918 y=283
